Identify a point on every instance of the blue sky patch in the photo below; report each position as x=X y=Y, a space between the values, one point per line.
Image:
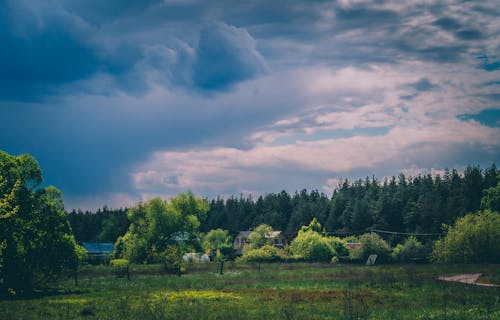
x=331 y=134
x=488 y=117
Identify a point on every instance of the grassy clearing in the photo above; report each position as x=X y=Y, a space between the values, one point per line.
x=278 y=291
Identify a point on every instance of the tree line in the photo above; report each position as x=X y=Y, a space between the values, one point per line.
x=420 y=204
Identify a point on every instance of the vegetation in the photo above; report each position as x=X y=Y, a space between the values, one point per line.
x=410 y=251
x=474 y=238
x=266 y=253
x=37 y=247
x=162 y=231
x=420 y=204
x=372 y=243
x=220 y=242
x=491 y=199
x=278 y=291
x=36 y=240
x=312 y=246
x=259 y=237
x=119 y=266
x=103 y=225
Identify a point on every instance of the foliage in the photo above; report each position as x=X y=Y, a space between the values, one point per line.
x=172 y=258
x=491 y=199
x=312 y=246
x=339 y=246
x=410 y=250
x=259 y=237
x=119 y=266
x=313 y=226
x=157 y=225
x=266 y=253
x=220 y=241
x=418 y=204
x=81 y=254
x=474 y=238
x=371 y=243
x=103 y=225
x=39 y=244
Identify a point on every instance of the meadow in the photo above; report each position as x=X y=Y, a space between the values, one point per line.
x=276 y=291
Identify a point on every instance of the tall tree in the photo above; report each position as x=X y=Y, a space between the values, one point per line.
x=35 y=234
x=158 y=226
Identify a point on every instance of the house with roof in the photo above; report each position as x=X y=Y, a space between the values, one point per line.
x=277 y=238
x=99 y=252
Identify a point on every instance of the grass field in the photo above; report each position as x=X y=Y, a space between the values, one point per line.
x=277 y=291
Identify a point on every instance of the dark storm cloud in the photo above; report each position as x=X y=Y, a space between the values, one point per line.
x=93 y=87
x=40 y=51
x=225 y=55
x=448 y=23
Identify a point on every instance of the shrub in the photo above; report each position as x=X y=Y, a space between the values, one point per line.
x=172 y=259
x=266 y=253
x=339 y=246
x=410 y=251
x=312 y=247
x=473 y=238
x=119 y=267
x=371 y=243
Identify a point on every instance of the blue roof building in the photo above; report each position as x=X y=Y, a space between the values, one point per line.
x=99 y=247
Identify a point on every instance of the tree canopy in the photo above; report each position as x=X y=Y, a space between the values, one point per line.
x=473 y=238
x=259 y=237
x=158 y=226
x=36 y=240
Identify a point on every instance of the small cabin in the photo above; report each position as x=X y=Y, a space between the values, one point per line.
x=99 y=252
x=278 y=238
x=240 y=241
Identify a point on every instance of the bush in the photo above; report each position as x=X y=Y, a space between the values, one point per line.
x=371 y=243
x=172 y=259
x=410 y=251
x=312 y=247
x=119 y=267
x=266 y=253
x=474 y=238
x=339 y=246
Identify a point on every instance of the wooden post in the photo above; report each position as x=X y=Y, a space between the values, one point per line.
x=222 y=266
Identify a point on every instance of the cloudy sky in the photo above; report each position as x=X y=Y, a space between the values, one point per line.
x=121 y=100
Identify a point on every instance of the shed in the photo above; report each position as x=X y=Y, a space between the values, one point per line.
x=99 y=252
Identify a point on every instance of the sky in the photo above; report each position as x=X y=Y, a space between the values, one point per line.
x=122 y=100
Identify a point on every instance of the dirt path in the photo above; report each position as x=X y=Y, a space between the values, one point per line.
x=468 y=278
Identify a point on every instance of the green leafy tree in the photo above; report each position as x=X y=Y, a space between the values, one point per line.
x=35 y=232
x=474 y=238
x=312 y=246
x=410 y=250
x=259 y=237
x=372 y=243
x=219 y=241
x=491 y=199
x=157 y=227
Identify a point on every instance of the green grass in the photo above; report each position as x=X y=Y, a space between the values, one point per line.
x=278 y=291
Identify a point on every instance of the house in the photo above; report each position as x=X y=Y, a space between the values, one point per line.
x=241 y=239
x=99 y=252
